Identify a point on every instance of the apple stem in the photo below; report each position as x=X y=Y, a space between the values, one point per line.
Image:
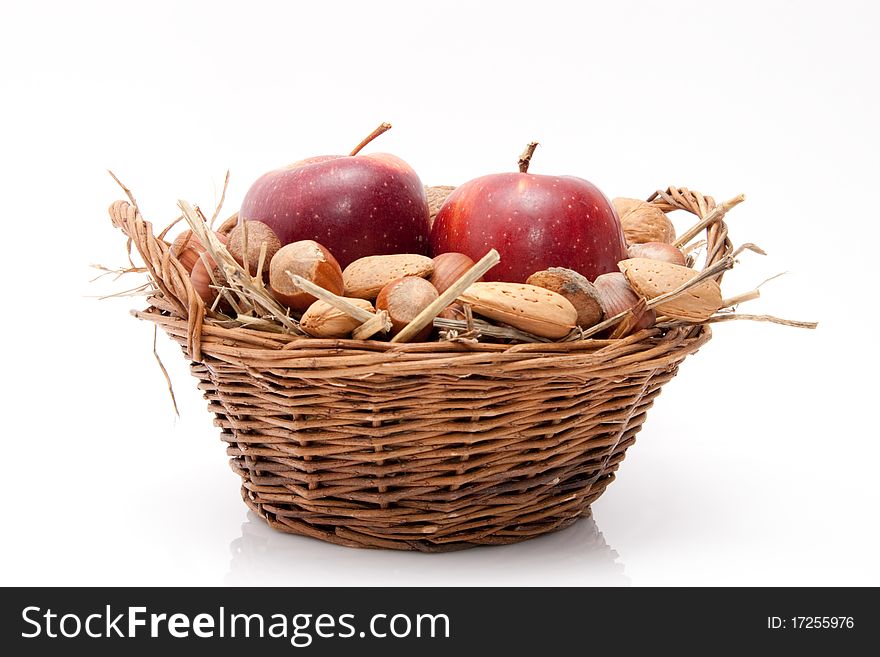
x=385 y=127
x=526 y=157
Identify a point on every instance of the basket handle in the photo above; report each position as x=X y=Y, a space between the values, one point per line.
x=718 y=244
x=167 y=274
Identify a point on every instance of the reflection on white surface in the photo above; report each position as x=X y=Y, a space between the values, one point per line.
x=576 y=556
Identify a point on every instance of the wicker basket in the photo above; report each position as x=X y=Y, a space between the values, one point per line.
x=428 y=446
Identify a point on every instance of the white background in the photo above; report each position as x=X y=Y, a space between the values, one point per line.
x=758 y=464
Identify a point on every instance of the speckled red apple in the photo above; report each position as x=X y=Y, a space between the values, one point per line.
x=534 y=221
x=355 y=205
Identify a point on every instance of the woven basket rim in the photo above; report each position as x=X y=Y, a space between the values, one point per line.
x=256 y=341
x=350 y=359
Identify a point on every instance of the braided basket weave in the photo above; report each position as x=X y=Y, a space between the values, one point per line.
x=429 y=446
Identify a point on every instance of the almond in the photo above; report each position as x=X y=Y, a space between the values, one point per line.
x=574 y=287
x=365 y=277
x=643 y=222
x=651 y=278
x=526 y=307
x=321 y=320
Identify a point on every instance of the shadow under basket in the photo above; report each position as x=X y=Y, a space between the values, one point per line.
x=431 y=446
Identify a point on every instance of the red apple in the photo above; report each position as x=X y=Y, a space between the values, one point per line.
x=355 y=205
x=534 y=222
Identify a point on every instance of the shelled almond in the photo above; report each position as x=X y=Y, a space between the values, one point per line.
x=526 y=307
x=653 y=278
x=364 y=278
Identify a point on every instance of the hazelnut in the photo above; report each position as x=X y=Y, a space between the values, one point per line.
x=186 y=248
x=309 y=260
x=448 y=268
x=404 y=298
x=199 y=275
x=321 y=320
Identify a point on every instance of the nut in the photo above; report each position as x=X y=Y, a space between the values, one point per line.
x=448 y=268
x=453 y=311
x=643 y=222
x=658 y=251
x=201 y=280
x=365 y=277
x=651 y=278
x=574 y=287
x=404 y=298
x=186 y=248
x=616 y=296
x=253 y=234
x=199 y=276
x=436 y=197
x=309 y=260
x=321 y=320
x=526 y=307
